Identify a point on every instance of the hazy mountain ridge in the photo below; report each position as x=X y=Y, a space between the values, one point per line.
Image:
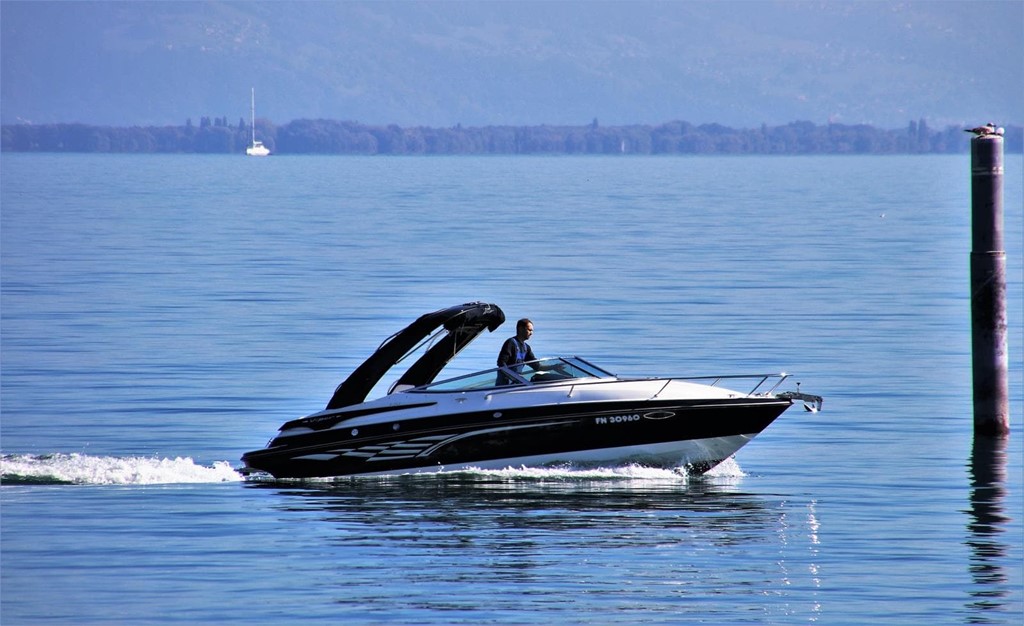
x=441 y=64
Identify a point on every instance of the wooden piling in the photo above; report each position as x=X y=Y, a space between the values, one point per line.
x=990 y=358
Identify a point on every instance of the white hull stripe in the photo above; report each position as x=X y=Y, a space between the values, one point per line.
x=673 y=453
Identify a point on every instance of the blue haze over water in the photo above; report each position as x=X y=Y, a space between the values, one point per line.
x=161 y=315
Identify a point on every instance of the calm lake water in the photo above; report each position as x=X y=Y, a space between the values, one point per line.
x=161 y=315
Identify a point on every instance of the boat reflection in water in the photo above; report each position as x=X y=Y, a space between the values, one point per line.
x=563 y=537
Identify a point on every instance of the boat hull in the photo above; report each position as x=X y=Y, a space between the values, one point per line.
x=695 y=434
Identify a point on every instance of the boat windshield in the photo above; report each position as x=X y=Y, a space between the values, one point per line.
x=553 y=369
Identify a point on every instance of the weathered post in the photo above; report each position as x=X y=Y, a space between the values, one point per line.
x=990 y=358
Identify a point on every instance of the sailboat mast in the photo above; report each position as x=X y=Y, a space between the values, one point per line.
x=252 y=115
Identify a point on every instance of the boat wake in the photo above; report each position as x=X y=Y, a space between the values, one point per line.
x=83 y=469
x=728 y=469
x=631 y=473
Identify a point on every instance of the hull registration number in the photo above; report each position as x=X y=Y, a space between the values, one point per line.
x=617 y=419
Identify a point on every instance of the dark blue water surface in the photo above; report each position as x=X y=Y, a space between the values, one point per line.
x=161 y=315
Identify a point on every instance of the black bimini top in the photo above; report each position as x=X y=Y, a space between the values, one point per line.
x=464 y=323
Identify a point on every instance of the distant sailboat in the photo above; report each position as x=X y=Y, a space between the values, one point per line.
x=257 y=148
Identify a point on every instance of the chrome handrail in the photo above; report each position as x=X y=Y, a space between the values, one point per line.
x=713 y=380
x=575 y=383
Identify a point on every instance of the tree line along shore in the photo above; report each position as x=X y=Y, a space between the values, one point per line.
x=214 y=136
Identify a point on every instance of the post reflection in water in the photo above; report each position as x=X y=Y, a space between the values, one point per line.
x=987 y=473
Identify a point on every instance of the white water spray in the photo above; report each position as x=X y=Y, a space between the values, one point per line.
x=83 y=469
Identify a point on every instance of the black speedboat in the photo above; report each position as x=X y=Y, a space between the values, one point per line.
x=562 y=410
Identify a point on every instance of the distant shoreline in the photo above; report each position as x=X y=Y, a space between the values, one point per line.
x=216 y=136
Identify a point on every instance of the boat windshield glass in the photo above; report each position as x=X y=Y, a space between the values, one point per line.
x=554 y=369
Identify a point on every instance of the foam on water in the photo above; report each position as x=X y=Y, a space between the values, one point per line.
x=598 y=473
x=83 y=469
x=630 y=473
x=728 y=468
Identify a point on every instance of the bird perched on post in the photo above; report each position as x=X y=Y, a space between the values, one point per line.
x=987 y=129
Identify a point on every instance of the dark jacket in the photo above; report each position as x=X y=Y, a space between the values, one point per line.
x=514 y=352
